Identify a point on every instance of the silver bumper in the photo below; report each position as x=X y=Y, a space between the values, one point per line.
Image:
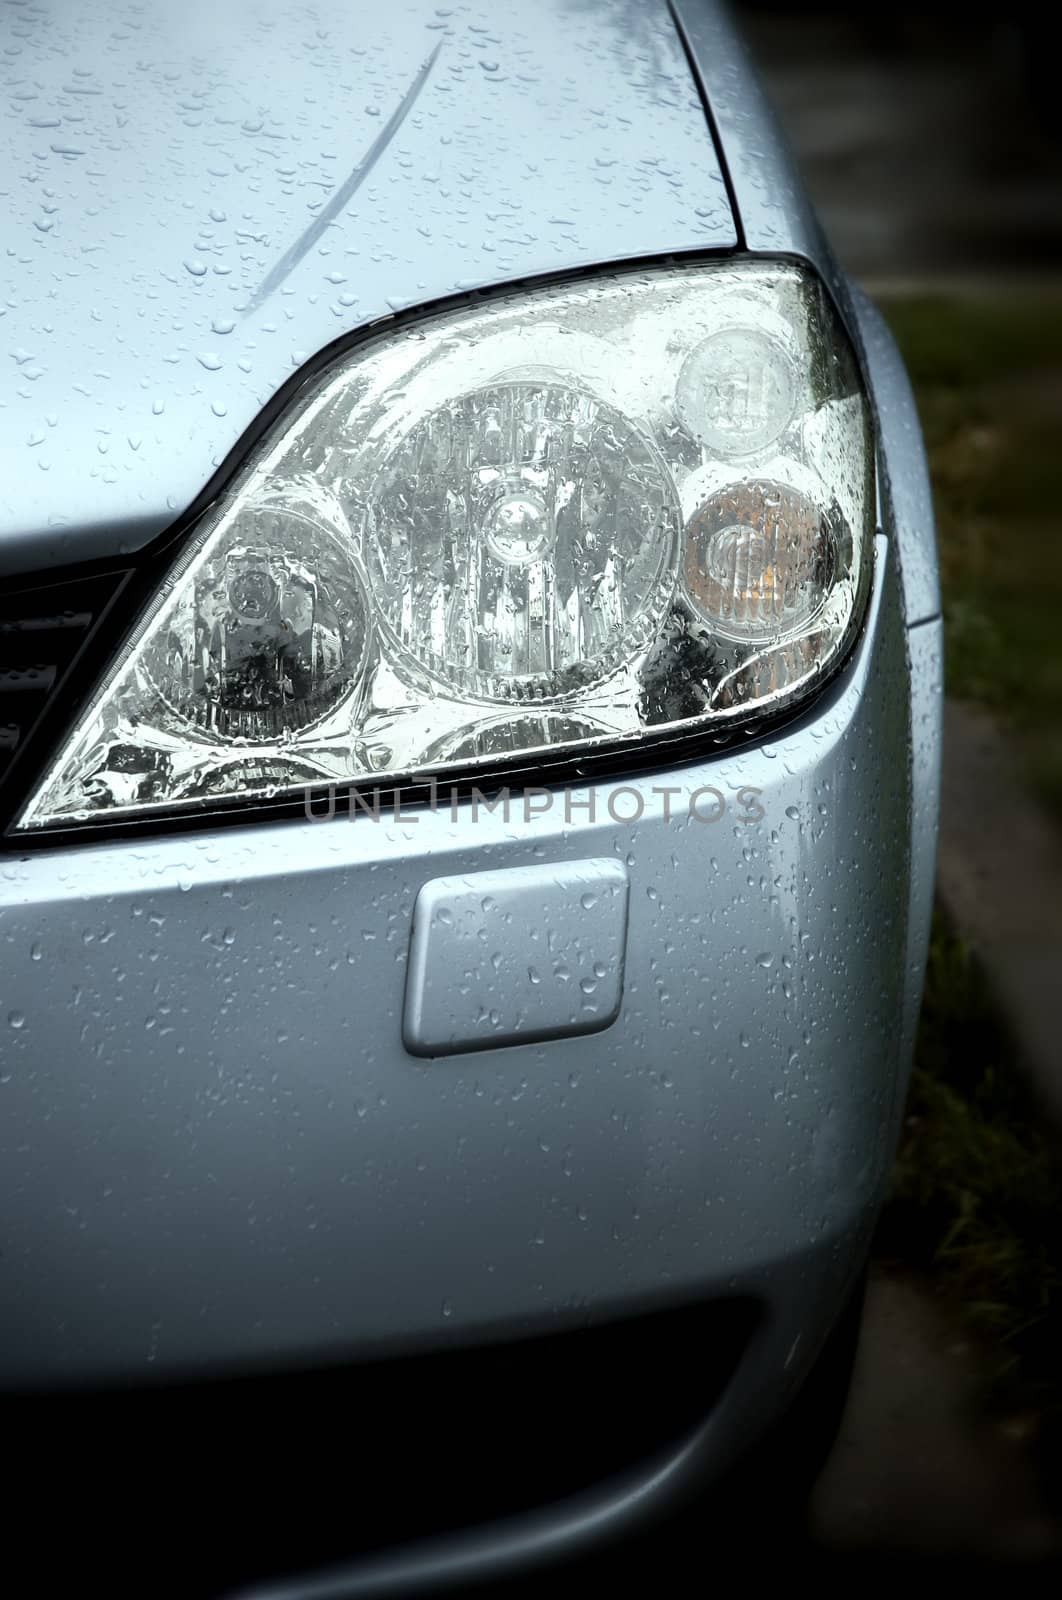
x=216 y=1149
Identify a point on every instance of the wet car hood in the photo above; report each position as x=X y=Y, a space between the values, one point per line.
x=198 y=197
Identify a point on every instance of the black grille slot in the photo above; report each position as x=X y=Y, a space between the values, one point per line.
x=43 y=634
x=242 y=1479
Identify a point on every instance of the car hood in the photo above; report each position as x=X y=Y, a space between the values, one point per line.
x=201 y=196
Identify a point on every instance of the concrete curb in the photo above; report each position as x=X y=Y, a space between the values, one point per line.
x=999 y=877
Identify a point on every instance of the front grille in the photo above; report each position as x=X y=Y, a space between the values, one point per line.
x=243 y=1479
x=44 y=631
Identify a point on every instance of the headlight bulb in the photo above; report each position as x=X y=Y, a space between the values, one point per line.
x=269 y=637
x=522 y=539
x=736 y=392
x=758 y=560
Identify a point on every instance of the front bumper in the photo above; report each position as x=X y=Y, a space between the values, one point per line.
x=215 y=1150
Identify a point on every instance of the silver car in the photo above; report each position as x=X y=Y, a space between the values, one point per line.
x=469 y=738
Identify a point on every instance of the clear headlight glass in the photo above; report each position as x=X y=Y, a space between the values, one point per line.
x=553 y=520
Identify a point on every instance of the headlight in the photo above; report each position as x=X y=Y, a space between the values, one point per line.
x=558 y=519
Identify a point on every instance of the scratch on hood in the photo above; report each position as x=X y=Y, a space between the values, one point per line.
x=342 y=196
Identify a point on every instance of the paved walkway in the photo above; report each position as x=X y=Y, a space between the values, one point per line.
x=920 y=1469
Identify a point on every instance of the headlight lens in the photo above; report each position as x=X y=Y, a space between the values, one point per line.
x=546 y=522
x=269 y=634
x=758 y=560
x=522 y=540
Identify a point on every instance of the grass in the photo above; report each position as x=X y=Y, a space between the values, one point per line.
x=977 y=1188
x=987 y=373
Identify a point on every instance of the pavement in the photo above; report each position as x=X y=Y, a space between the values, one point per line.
x=921 y=1467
